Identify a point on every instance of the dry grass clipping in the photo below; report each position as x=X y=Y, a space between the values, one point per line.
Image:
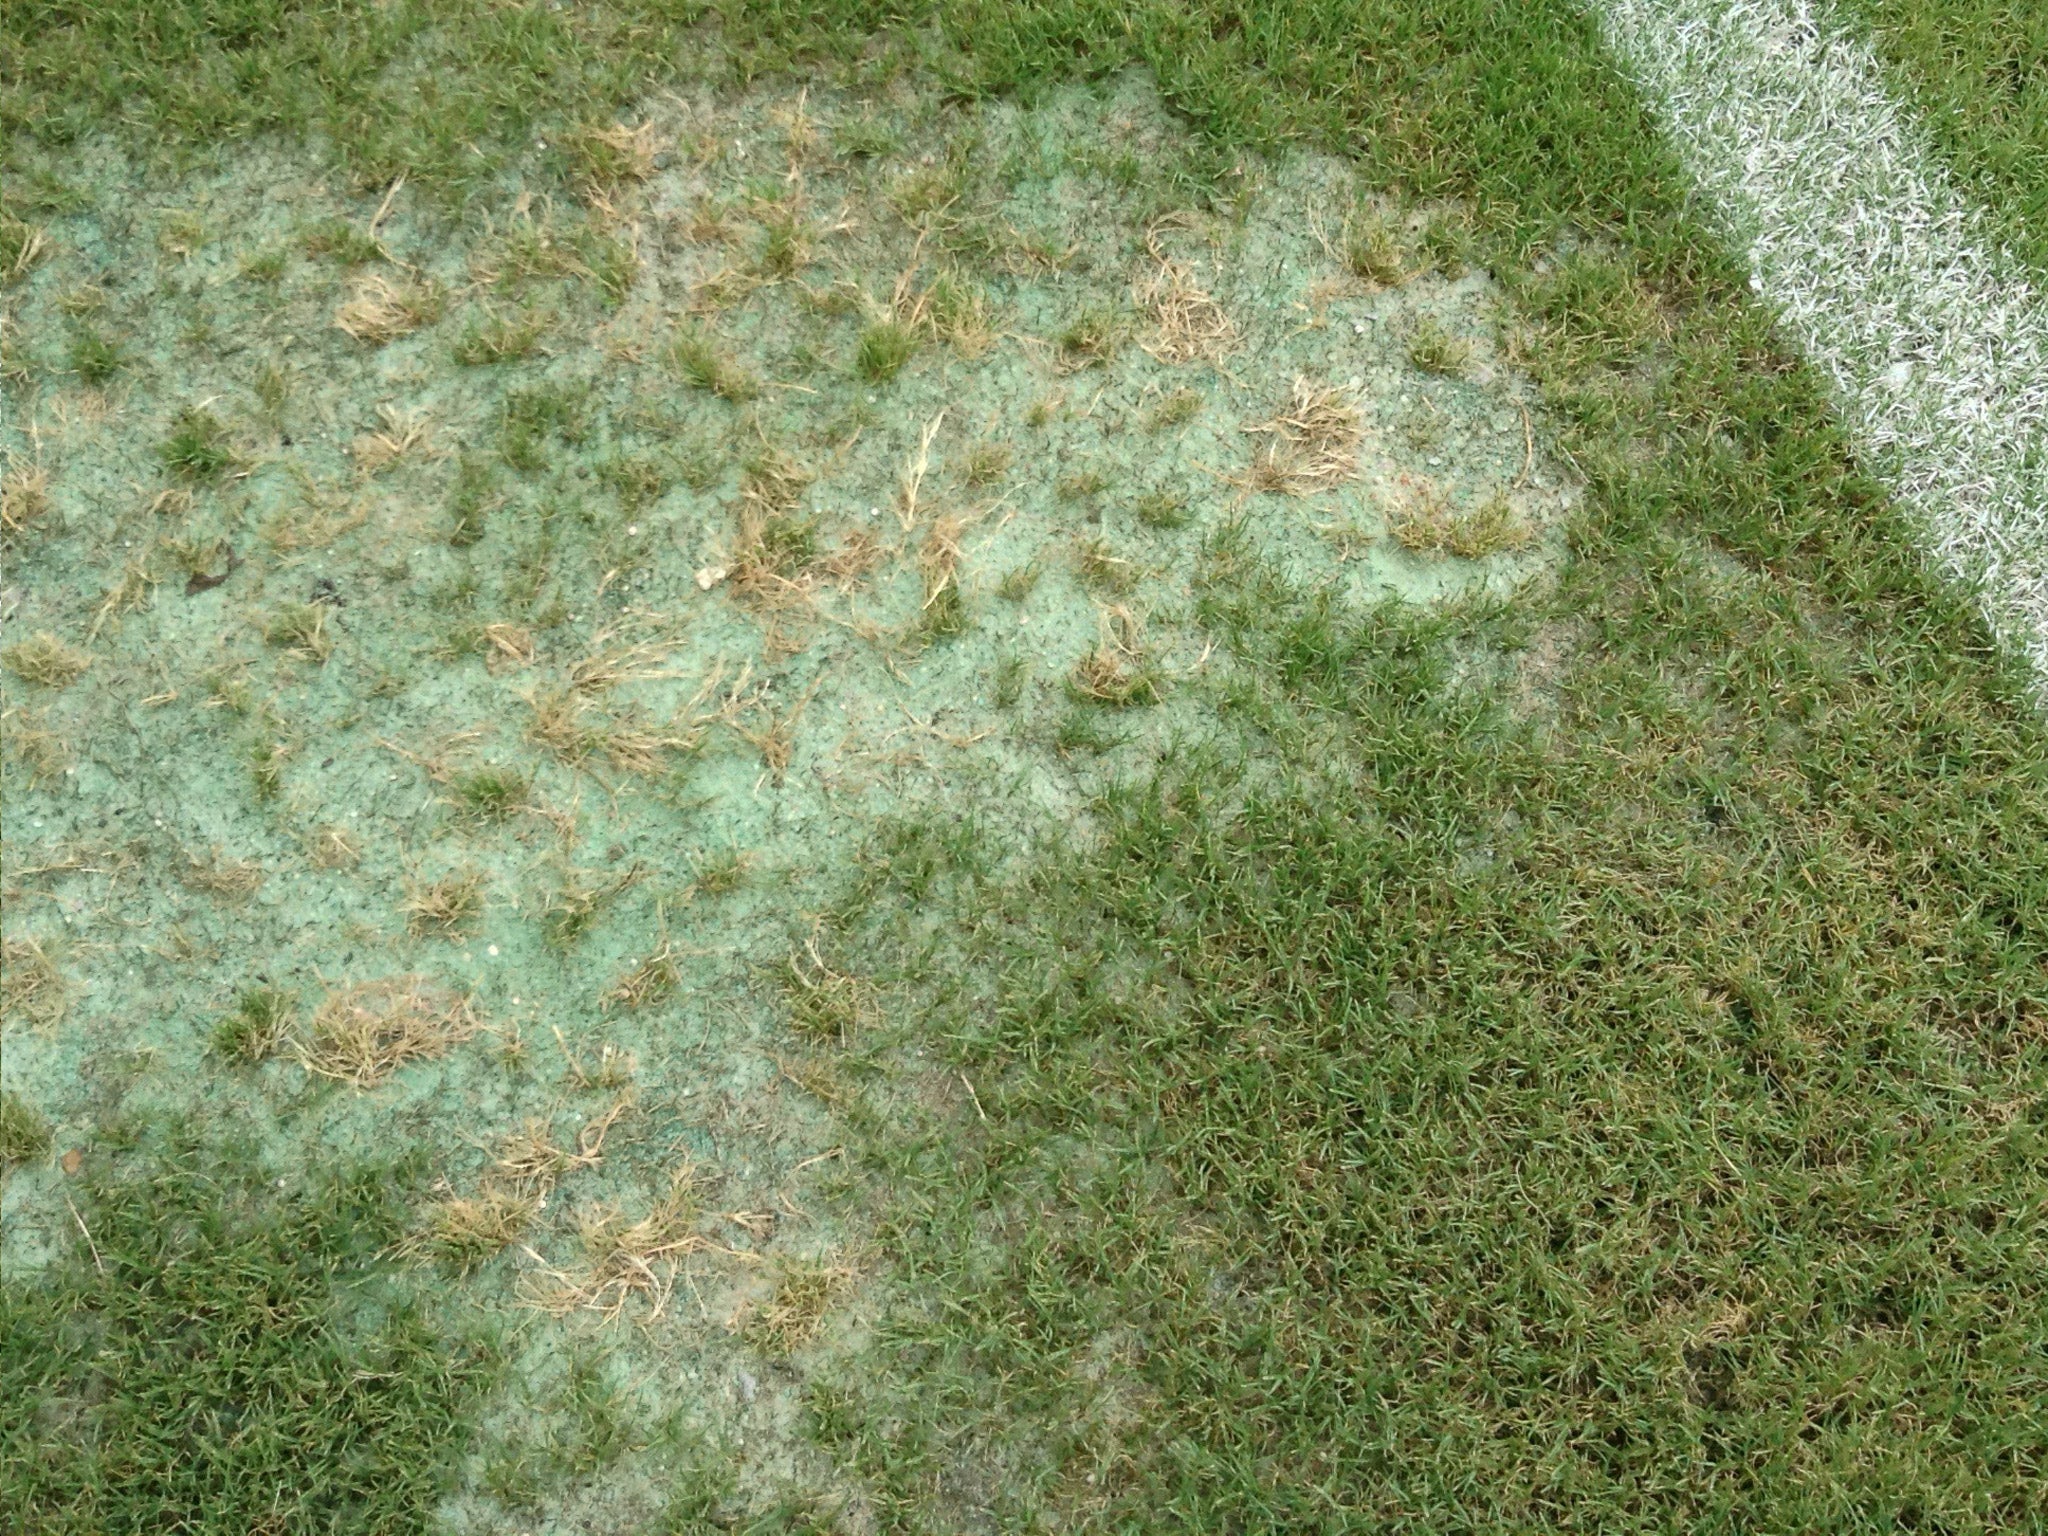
x=469 y=1231
x=381 y=310
x=1191 y=325
x=24 y=496
x=403 y=433
x=31 y=986
x=218 y=875
x=446 y=906
x=363 y=1033
x=1313 y=443
x=627 y=1259
x=531 y=1159
x=46 y=661
x=1117 y=671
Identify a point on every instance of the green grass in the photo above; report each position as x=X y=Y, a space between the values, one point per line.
x=1575 y=1065
x=1977 y=71
x=224 y=1355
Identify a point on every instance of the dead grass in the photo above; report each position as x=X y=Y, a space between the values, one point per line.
x=625 y=1259
x=1189 y=325
x=654 y=978
x=45 y=752
x=1312 y=445
x=382 y=309
x=46 y=661
x=31 y=986
x=402 y=435
x=218 y=875
x=332 y=847
x=468 y=1231
x=24 y=496
x=445 y=906
x=300 y=629
x=1426 y=523
x=363 y=1033
x=531 y=1159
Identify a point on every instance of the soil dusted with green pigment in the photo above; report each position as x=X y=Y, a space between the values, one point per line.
x=456 y=665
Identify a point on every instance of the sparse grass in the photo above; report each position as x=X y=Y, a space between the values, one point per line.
x=46 y=661
x=257 y=1026
x=309 y=1391
x=884 y=349
x=1174 y=410
x=702 y=363
x=494 y=335
x=1434 y=349
x=1372 y=250
x=986 y=462
x=24 y=496
x=792 y=1315
x=24 y=1134
x=301 y=629
x=1101 y=569
x=198 y=447
x=1163 y=510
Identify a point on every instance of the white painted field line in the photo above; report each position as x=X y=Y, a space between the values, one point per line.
x=1934 y=340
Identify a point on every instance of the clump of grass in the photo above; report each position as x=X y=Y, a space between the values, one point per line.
x=1011 y=671
x=957 y=311
x=1312 y=445
x=340 y=241
x=1090 y=340
x=22 y=246
x=1372 y=250
x=1427 y=523
x=46 y=661
x=198 y=447
x=1081 y=485
x=1434 y=349
x=1117 y=672
x=1018 y=582
x=266 y=759
x=94 y=357
x=494 y=335
x=445 y=906
x=885 y=348
x=490 y=794
x=826 y=1006
x=24 y=1134
x=1101 y=570
x=257 y=1026
x=986 y=462
x=785 y=243
x=700 y=362
x=716 y=874
x=1174 y=410
x=649 y=981
x=608 y=158
x=470 y=502
x=1163 y=510
x=626 y=1259
x=300 y=629
x=264 y=266
x=1188 y=323
x=381 y=309
x=363 y=1033
x=793 y=1314
x=863 y=138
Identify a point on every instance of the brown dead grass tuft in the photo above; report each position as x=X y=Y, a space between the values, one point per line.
x=1117 y=671
x=467 y=1231
x=46 y=661
x=382 y=310
x=24 y=496
x=446 y=906
x=1191 y=325
x=365 y=1032
x=31 y=986
x=1313 y=443
x=648 y=982
x=218 y=875
x=790 y=1318
x=626 y=1259
x=403 y=434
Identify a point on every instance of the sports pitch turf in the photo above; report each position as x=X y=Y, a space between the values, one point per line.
x=1373 y=1009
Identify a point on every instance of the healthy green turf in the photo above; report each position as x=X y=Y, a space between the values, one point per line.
x=224 y=1351
x=1977 y=71
x=1572 y=1064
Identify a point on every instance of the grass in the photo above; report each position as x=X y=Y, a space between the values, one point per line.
x=198 y=447
x=883 y=351
x=1973 y=68
x=216 y=1353
x=24 y=1134
x=1573 y=1063
x=257 y=1026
